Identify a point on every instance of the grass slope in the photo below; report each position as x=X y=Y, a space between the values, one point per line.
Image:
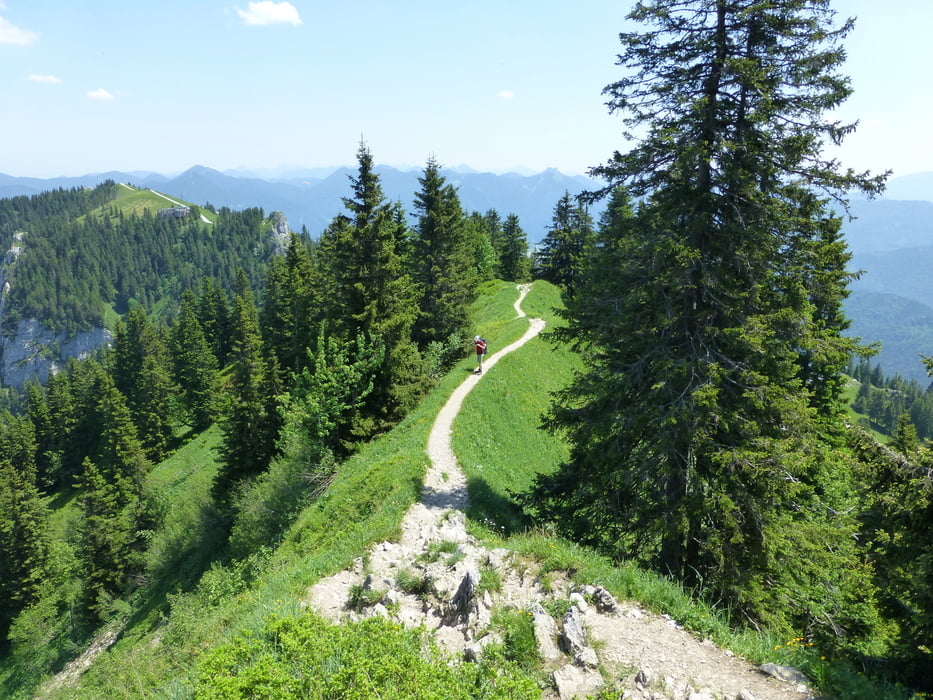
x=189 y=627
x=134 y=202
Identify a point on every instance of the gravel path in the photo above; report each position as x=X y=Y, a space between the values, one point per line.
x=445 y=484
x=644 y=656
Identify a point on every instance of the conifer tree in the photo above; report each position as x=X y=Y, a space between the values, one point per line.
x=195 y=366
x=251 y=421
x=291 y=308
x=696 y=444
x=372 y=293
x=316 y=416
x=514 y=264
x=492 y=222
x=139 y=367
x=25 y=542
x=441 y=259
x=47 y=458
x=213 y=315
x=112 y=502
x=565 y=249
x=482 y=254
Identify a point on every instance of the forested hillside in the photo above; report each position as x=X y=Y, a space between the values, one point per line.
x=85 y=251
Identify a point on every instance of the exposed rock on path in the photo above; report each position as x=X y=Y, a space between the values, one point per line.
x=433 y=577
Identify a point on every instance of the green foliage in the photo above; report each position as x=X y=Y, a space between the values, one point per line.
x=195 y=367
x=315 y=415
x=359 y=660
x=140 y=370
x=897 y=527
x=292 y=305
x=518 y=631
x=25 y=542
x=703 y=428
x=563 y=254
x=413 y=583
x=441 y=259
x=195 y=606
x=363 y=270
x=251 y=422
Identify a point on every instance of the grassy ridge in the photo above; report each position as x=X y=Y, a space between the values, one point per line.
x=134 y=202
x=185 y=633
x=175 y=621
x=497 y=436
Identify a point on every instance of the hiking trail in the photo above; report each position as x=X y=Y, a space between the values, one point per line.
x=600 y=642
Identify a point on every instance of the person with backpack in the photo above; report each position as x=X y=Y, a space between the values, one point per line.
x=480 y=345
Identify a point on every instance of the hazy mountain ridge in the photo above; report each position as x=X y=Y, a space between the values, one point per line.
x=313 y=201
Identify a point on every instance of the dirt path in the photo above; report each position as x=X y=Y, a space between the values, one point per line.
x=445 y=484
x=601 y=641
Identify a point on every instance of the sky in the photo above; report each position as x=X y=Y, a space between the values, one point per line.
x=92 y=86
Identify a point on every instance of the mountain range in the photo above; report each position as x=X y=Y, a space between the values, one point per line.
x=891 y=238
x=312 y=200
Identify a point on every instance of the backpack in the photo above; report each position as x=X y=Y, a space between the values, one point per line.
x=485 y=345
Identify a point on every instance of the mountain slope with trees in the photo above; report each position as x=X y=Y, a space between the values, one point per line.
x=174 y=496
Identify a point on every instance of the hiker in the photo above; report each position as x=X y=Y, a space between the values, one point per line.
x=480 y=345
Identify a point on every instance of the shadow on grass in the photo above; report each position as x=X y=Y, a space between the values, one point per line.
x=192 y=553
x=495 y=510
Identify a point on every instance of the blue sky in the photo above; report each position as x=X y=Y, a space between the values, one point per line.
x=97 y=85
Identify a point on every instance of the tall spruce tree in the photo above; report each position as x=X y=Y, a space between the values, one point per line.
x=25 y=542
x=140 y=369
x=195 y=366
x=113 y=502
x=566 y=247
x=291 y=307
x=514 y=264
x=251 y=423
x=442 y=260
x=214 y=316
x=366 y=279
x=695 y=432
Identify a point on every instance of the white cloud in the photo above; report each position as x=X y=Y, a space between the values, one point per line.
x=11 y=34
x=51 y=79
x=267 y=12
x=100 y=95
x=505 y=94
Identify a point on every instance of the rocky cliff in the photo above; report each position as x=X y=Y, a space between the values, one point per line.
x=32 y=350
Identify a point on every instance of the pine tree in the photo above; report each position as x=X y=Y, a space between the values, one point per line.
x=291 y=308
x=195 y=366
x=25 y=542
x=113 y=503
x=366 y=279
x=696 y=446
x=213 y=315
x=514 y=264
x=482 y=254
x=316 y=418
x=48 y=460
x=565 y=250
x=139 y=367
x=251 y=422
x=441 y=260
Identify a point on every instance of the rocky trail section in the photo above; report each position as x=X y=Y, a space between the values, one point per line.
x=438 y=577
